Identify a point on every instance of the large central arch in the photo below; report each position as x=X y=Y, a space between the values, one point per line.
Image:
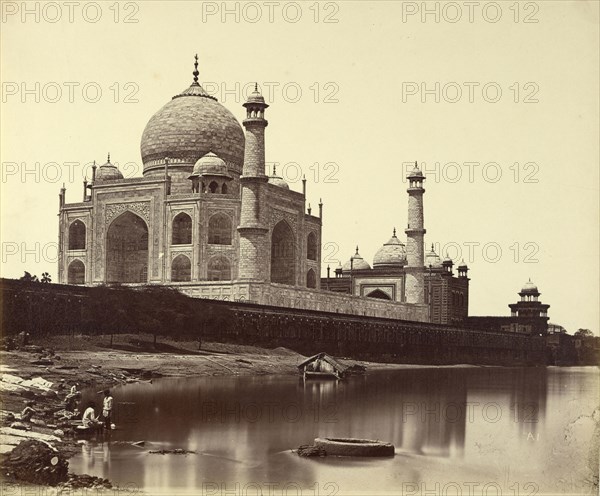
x=283 y=254
x=127 y=249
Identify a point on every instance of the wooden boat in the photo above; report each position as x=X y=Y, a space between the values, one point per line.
x=322 y=366
x=354 y=447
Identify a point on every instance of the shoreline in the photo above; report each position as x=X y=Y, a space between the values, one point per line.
x=94 y=362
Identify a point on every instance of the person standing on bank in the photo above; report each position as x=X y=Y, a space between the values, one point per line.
x=107 y=409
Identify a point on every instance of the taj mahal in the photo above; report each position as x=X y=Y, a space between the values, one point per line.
x=207 y=218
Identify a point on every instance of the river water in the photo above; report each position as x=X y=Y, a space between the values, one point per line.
x=459 y=430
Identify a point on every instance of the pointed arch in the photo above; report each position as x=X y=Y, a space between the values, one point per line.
x=182 y=229
x=181 y=269
x=219 y=269
x=379 y=294
x=311 y=279
x=77 y=235
x=76 y=272
x=224 y=189
x=213 y=187
x=283 y=254
x=311 y=246
x=219 y=230
x=127 y=249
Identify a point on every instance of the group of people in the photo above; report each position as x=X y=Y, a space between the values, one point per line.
x=89 y=418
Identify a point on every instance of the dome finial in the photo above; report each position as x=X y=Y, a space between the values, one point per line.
x=356 y=250
x=274 y=170
x=394 y=232
x=109 y=157
x=196 y=73
x=255 y=87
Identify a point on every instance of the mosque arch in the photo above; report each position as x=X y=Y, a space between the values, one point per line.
x=378 y=293
x=76 y=272
x=219 y=230
x=77 y=235
x=283 y=254
x=219 y=269
x=311 y=246
x=182 y=229
x=311 y=279
x=181 y=269
x=127 y=249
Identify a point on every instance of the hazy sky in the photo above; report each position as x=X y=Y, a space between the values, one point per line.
x=358 y=88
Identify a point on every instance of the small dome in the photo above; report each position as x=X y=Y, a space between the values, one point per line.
x=210 y=165
x=415 y=173
x=448 y=261
x=108 y=172
x=462 y=266
x=432 y=258
x=255 y=96
x=278 y=180
x=356 y=263
x=529 y=287
x=392 y=253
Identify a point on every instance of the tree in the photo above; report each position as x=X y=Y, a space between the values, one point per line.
x=46 y=278
x=583 y=333
x=28 y=277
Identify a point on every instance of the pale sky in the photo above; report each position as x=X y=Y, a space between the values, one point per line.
x=347 y=93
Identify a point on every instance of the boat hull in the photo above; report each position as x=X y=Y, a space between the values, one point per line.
x=354 y=447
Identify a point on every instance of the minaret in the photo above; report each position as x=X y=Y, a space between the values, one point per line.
x=415 y=232
x=254 y=248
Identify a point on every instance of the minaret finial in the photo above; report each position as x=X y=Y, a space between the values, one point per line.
x=394 y=232
x=416 y=166
x=356 y=250
x=256 y=87
x=431 y=246
x=109 y=157
x=274 y=170
x=196 y=73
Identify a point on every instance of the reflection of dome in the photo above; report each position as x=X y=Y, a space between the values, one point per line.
x=210 y=165
x=432 y=258
x=356 y=263
x=108 y=172
x=391 y=253
x=192 y=124
x=277 y=180
x=529 y=287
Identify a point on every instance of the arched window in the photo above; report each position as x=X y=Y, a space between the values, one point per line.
x=311 y=279
x=77 y=235
x=182 y=229
x=127 y=249
x=219 y=269
x=213 y=187
x=311 y=247
x=379 y=294
x=224 y=189
x=283 y=259
x=219 y=230
x=181 y=269
x=76 y=272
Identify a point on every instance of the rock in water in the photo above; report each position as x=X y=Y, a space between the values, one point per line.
x=36 y=462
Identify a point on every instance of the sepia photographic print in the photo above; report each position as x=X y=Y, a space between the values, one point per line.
x=300 y=248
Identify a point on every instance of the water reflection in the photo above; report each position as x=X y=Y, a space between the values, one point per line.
x=484 y=425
